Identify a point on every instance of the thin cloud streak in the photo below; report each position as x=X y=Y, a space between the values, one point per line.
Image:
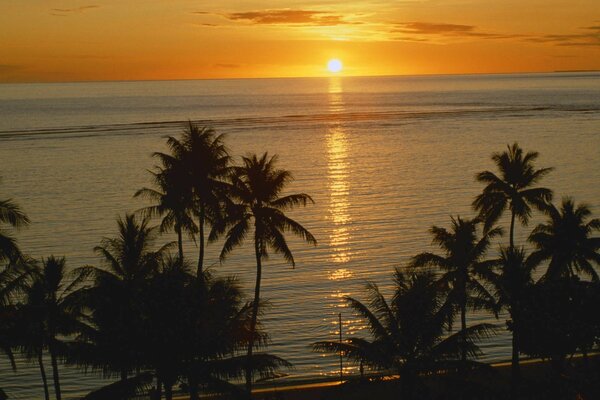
x=62 y=12
x=285 y=17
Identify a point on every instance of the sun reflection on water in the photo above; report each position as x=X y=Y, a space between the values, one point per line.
x=339 y=187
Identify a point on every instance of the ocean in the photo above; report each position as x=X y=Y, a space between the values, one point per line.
x=384 y=158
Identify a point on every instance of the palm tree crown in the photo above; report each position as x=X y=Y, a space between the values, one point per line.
x=565 y=240
x=11 y=214
x=512 y=189
x=173 y=202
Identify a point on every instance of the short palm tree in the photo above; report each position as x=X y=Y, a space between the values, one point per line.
x=113 y=297
x=209 y=325
x=511 y=282
x=173 y=202
x=50 y=312
x=512 y=189
x=256 y=188
x=11 y=214
x=409 y=333
x=566 y=241
x=204 y=166
x=463 y=264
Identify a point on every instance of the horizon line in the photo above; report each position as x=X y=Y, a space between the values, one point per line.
x=308 y=77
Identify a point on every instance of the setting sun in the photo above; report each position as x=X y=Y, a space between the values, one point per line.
x=334 y=65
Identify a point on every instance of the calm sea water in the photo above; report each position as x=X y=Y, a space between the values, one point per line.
x=384 y=158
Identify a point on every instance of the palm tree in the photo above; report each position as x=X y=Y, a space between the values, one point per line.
x=512 y=189
x=11 y=214
x=409 y=334
x=511 y=284
x=565 y=240
x=257 y=186
x=204 y=162
x=209 y=325
x=462 y=263
x=49 y=313
x=113 y=298
x=173 y=202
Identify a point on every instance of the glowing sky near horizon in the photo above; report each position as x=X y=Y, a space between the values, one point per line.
x=66 y=40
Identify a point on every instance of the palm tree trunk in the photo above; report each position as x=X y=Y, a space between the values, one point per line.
x=257 y=251
x=512 y=229
x=179 y=243
x=168 y=392
x=201 y=219
x=55 y=375
x=463 y=326
x=515 y=368
x=159 y=387
x=43 y=373
x=193 y=387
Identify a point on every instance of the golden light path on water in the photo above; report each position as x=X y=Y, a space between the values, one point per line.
x=339 y=218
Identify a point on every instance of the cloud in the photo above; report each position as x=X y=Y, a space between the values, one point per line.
x=589 y=37
x=447 y=30
x=285 y=17
x=430 y=28
x=63 y=12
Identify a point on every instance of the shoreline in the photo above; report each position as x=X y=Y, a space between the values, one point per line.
x=314 y=388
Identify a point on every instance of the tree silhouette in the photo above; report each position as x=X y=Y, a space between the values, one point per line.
x=129 y=262
x=256 y=187
x=409 y=333
x=512 y=282
x=463 y=264
x=565 y=240
x=173 y=202
x=48 y=314
x=513 y=189
x=204 y=164
x=11 y=214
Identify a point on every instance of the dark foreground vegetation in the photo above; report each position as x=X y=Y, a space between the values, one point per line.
x=153 y=320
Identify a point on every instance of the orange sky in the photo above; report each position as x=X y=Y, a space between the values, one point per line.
x=44 y=40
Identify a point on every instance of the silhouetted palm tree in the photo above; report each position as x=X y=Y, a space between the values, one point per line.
x=48 y=314
x=129 y=263
x=409 y=333
x=11 y=214
x=565 y=240
x=256 y=187
x=204 y=162
x=173 y=202
x=513 y=189
x=511 y=284
x=462 y=263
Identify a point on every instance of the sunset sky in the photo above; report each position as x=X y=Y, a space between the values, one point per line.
x=42 y=40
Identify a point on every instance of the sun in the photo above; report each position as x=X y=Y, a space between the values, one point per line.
x=334 y=65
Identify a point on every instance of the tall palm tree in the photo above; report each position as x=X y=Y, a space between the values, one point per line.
x=512 y=189
x=204 y=161
x=511 y=283
x=49 y=313
x=462 y=263
x=173 y=202
x=565 y=240
x=13 y=215
x=113 y=298
x=257 y=186
x=409 y=333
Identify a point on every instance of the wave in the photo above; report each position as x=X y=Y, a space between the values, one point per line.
x=243 y=122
